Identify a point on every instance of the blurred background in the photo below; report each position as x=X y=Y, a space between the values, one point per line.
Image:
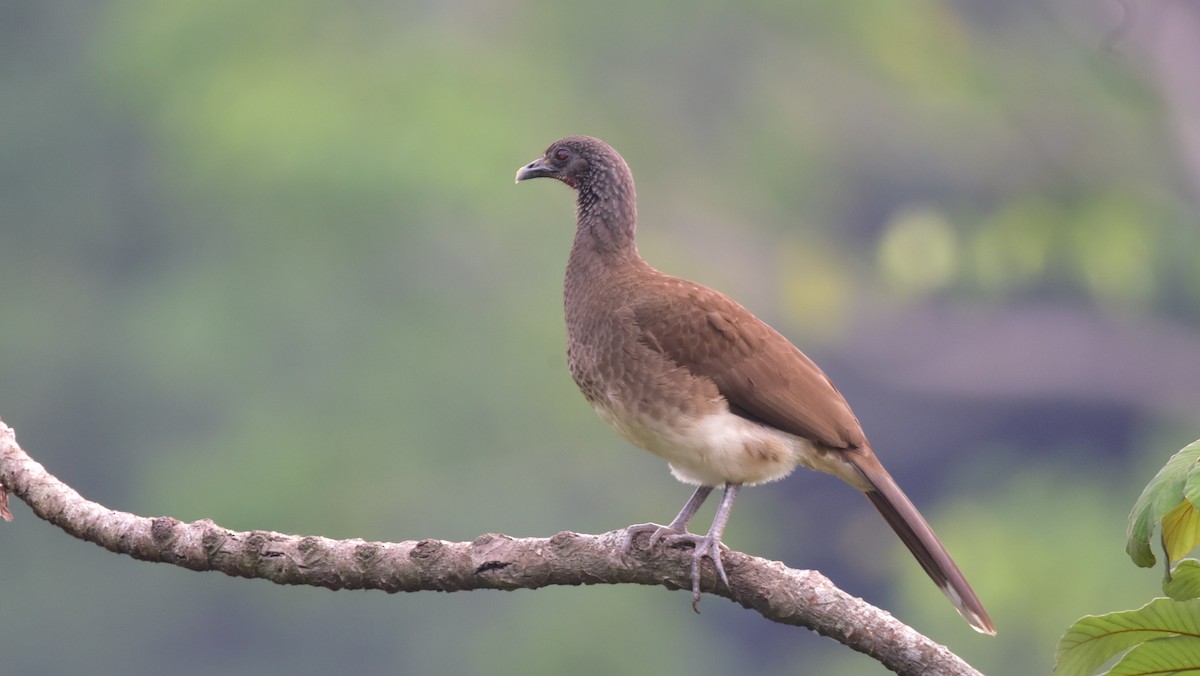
x=265 y=263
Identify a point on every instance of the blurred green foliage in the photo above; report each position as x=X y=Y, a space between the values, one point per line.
x=264 y=263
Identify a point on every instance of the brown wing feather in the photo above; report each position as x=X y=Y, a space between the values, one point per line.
x=760 y=373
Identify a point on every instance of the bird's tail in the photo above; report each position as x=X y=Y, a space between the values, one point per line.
x=914 y=531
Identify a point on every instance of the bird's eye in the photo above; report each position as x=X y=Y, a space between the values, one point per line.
x=561 y=155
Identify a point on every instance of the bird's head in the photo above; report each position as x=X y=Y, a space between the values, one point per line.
x=606 y=204
x=577 y=161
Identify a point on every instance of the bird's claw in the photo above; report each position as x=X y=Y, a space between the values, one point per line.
x=657 y=534
x=711 y=547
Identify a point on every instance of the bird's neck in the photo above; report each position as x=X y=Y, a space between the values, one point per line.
x=606 y=223
x=603 y=271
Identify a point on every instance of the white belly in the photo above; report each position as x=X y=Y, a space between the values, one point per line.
x=722 y=447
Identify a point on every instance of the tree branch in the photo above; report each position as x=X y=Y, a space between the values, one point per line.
x=796 y=597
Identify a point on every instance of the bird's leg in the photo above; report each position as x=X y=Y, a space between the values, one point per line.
x=677 y=527
x=710 y=546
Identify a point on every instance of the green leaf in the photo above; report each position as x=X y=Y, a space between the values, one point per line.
x=1191 y=489
x=1095 y=639
x=1171 y=655
x=1184 y=582
x=1178 y=480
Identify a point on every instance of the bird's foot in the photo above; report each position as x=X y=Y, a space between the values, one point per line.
x=706 y=546
x=657 y=534
x=709 y=546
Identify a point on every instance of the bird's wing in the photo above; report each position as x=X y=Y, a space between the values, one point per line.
x=762 y=375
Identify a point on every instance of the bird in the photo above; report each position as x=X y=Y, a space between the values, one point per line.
x=691 y=376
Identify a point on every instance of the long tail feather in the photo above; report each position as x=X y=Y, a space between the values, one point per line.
x=915 y=532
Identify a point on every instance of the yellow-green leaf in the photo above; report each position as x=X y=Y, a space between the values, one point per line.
x=1095 y=639
x=1180 y=531
x=1170 y=655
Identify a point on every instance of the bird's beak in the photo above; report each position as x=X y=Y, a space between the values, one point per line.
x=535 y=169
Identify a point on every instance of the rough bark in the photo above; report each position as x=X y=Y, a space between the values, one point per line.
x=492 y=561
